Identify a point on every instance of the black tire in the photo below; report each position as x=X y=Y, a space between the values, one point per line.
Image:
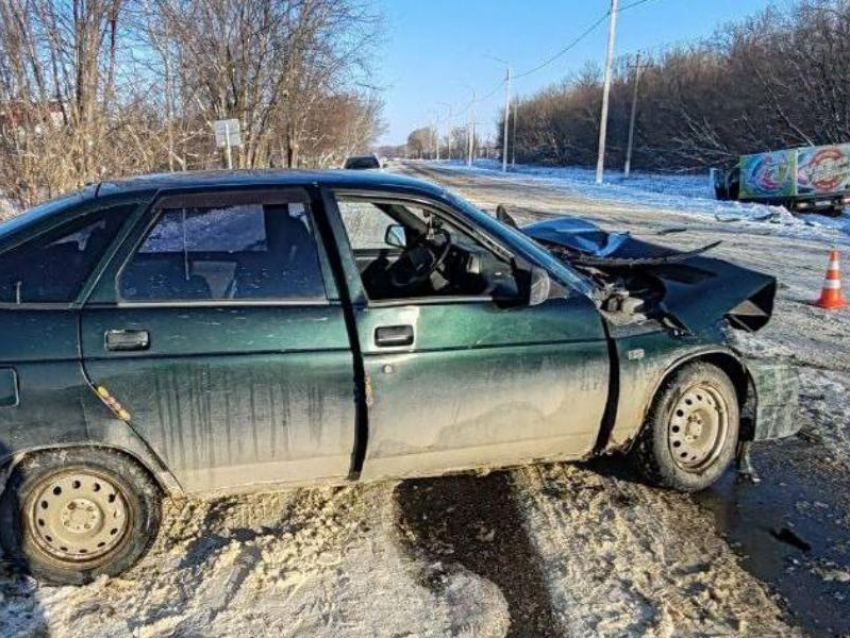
x=116 y=479
x=656 y=452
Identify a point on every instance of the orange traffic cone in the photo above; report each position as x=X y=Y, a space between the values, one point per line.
x=832 y=297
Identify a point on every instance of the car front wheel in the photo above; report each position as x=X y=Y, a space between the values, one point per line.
x=68 y=516
x=691 y=432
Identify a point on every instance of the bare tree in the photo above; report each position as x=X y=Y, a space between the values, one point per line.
x=99 y=88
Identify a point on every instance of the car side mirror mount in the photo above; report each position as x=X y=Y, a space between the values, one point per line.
x=396 y=236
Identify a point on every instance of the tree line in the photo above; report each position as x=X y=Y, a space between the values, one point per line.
x=94 y=89
x=775 y=80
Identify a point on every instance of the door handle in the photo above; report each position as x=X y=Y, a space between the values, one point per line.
x=394 y=336
x=127 y=340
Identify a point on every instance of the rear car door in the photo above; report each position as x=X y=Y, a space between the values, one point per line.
x=217 y=327
x=460 y=380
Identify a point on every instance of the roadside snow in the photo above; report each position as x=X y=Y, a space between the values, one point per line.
x=625 y=560
x=323 y=562
x=687 y=194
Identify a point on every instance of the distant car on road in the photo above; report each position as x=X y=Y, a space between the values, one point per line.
x=362 y=162
x=200 y=332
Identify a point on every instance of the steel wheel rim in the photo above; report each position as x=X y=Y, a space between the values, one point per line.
x=698 y=427
x=78 y=516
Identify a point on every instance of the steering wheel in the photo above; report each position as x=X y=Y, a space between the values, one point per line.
x=420 y=260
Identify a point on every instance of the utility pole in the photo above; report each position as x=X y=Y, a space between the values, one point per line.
x=513 y=144
x=606 y=90
x=507 y=120
x=627 y=169
x=471 y=148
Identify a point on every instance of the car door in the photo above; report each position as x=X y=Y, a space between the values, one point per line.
x=218 y=328
x=459 y=381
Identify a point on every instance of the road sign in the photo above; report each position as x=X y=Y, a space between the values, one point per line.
x=227 y=133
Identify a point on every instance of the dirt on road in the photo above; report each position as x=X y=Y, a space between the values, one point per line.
x=558 y=550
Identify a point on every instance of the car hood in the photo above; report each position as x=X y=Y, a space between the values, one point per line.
x=695 y=291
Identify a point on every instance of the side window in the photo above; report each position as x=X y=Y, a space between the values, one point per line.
x=53 y=267
x=366 y=224
x=240 y=252
x=434 y=256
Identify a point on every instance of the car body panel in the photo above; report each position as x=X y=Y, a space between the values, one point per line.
x=224 y=389
x=492 y=385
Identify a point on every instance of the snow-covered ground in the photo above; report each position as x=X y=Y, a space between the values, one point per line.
x=683 y=193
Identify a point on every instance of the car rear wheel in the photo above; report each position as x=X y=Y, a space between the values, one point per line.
x=691 y=432
x=68 y=516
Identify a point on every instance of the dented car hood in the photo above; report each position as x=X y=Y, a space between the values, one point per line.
x=696 y=291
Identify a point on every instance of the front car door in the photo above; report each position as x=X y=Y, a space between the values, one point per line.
x=218 y=328
x=463 y=376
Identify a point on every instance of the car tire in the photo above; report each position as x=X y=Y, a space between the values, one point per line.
x=691 y=431
x=69 y=516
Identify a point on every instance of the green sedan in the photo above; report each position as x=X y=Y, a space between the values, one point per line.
x=173 y=335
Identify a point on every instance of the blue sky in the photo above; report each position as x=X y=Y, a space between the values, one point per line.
x=435 y=49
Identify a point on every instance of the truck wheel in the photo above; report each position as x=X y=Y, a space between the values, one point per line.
x=68 y=516
x=690 y=435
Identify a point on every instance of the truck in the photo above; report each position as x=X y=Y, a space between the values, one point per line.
x=807 y=179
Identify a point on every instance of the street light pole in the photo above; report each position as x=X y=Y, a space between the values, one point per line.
x=606 y=90
x=513 y=141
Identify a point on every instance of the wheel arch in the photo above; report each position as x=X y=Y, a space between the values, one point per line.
x=732 y=365
x=159 y=473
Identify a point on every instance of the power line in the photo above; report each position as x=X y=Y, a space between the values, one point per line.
x=581 y=37
x=556 y=56
x=571 y=45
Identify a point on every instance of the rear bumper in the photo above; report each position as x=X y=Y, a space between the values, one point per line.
x=774 y=411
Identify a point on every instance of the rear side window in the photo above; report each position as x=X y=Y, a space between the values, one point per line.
x=240 y=252
x=54 y=266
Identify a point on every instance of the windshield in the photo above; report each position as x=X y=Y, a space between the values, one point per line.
x=43 y=211
x=524 y=244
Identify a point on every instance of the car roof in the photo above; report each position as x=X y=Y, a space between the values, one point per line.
x=337 y=178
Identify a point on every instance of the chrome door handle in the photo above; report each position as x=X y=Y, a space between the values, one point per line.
x=127 y=340
x=388 y=336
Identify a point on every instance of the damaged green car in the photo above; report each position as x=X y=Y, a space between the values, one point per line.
x=208 y=332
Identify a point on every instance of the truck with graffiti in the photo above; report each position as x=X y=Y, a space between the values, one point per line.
x=809 y=179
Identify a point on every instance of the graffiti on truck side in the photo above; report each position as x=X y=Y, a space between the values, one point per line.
x=768 y=174
x=824 y=169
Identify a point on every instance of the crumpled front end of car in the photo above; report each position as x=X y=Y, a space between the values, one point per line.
x=673 y=304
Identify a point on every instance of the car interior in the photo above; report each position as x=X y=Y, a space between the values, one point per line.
x=404 y=250
x=52 y=268
x=235 y=253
